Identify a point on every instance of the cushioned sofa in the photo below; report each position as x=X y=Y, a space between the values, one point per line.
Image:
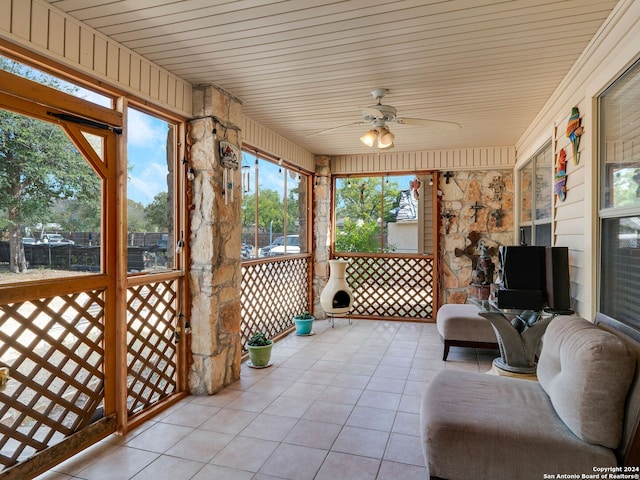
x=581 y=415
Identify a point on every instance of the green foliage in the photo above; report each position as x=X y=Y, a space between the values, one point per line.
x=258 y=339
x=270 y=208
x=136 y=218
x=304 y=316
x=358 y=236
x=157 y=213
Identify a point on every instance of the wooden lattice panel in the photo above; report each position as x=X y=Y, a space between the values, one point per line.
x=151 y=350
x=272 y=294
x=388 y=286
x=54 y=348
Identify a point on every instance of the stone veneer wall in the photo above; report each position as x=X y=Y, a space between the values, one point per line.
x=462 y=191
x=215 y=239
x=321 y=229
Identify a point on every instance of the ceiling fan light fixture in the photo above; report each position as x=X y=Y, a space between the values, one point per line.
x=385 y=138
x=369 y=138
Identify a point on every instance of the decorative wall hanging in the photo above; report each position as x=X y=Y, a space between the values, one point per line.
x=574 y=132
x=415 y=185
x=560 y=186
x=229 y=156
x=476 y=206
x=497 y=185
x=447 y=176
x=447 y=218
x=497 y=216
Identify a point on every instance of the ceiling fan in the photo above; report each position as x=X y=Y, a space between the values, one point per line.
x=379 y=115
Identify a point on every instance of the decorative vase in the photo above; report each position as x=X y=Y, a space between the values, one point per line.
x=336 y=297
x=260 y=356
x=303 y=325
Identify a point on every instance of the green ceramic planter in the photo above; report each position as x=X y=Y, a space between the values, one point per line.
x=260 y=356
x=303 y=325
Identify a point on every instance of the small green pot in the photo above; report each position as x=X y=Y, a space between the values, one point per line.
x=303 y=325
x=260 y=356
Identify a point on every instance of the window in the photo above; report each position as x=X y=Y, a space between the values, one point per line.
x=274 y=208
x=151 y=239
x=377 y=214
x=536 y=180
x=619 y=119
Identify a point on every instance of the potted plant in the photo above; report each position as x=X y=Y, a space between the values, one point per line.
x=259 y=347
x=303 y=322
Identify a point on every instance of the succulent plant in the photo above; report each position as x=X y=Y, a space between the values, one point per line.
x=258 y=339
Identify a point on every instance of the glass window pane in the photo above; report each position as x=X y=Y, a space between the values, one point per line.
x=270 y=221
x=620 y=127
x=526 y=187
x=50 y=203
x=151 y=240
x=544 y=181
x=49 y=80
x=621 y=269
x=401 y=214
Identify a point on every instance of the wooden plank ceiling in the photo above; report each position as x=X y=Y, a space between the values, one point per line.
x=301 y=66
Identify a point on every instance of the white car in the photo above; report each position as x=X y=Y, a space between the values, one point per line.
x=277 y=247
x=55 y=238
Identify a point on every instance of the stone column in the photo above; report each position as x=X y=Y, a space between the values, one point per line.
x=321 y=229
x=215 y=240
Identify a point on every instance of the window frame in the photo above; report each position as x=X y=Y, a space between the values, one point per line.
x=254 y=183
x=533 y=223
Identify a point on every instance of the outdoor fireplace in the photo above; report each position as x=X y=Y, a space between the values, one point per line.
x=336 y=297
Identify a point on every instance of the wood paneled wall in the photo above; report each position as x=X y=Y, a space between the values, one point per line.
x=452 y=159
x=257 y=136
x=41 y=28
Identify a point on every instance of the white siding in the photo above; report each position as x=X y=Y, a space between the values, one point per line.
x=257 y=136
x=41 y=28
x=451 y=159
x=610 y=52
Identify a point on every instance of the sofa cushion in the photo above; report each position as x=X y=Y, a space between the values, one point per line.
x=462 y=322
x=586 y=372
x=478 y=426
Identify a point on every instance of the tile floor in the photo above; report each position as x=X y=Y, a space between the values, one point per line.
x=340 y=404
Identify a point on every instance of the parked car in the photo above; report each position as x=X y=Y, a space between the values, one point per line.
x=28 y=241
x=277 y=247
x=55 y=238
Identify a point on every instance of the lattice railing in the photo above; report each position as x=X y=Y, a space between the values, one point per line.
x=272 y=293
x=384 y=285
x=54 y=349
x=152 y=311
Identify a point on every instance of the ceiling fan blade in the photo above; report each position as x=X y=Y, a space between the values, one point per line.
x=334 y=128
x=423 y=122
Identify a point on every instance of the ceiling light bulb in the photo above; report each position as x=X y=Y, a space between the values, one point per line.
x=369 y=138
x=385 y=138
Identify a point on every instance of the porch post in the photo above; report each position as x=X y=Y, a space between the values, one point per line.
x=321 y=229
x=215 y=239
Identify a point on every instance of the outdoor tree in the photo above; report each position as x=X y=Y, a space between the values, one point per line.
x=156 y=213
x=270 y=210
x=361 y=204
x=39 y=166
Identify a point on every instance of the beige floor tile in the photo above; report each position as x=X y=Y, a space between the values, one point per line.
x=216 y=472
x=289 y=407
x=392 y=371
x=229 y=421
x=244 y=453
x=191 y=415
x=341 y=466
x=269 y=427
x=401 y=471
x=329 y=412
x=253 y=401
x=308 y=433
x=390 y=385
x=373 y=418
x=169 y=468
x=200 y=445
x=347 y=396
x=413 y=387
x=404 y=449
x=270 y=385
x=220 y=399
x=305 y=390
x=122 y=463
x=359 y=369
x=316 y=378
x=327 y=366
x=384 y=400
x=294 y=462
x=410 y=404
x=407 y=423
x=361 y=441
x=159 y=438
x=350 y=381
